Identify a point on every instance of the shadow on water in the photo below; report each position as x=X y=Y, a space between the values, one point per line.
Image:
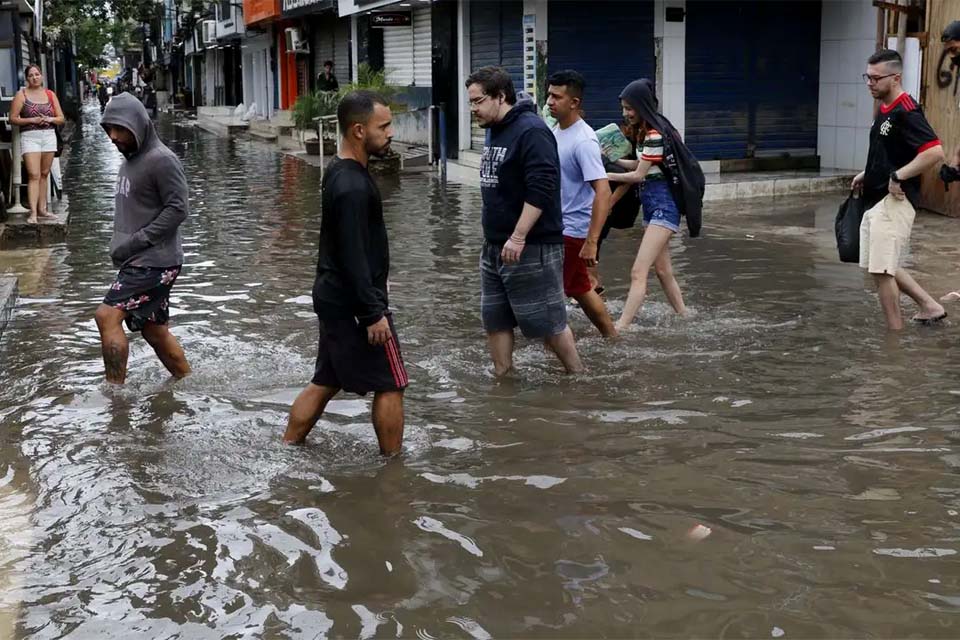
x=821 y=454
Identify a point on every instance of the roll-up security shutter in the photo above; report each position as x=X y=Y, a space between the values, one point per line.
x=398 y=55
x=422 y=48
x=580 y=39
x=496 y=38
x=746 y=94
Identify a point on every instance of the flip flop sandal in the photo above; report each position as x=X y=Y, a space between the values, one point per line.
x=929 y=321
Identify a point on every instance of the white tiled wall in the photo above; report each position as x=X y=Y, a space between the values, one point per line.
x=673 y=96
x=847 y=38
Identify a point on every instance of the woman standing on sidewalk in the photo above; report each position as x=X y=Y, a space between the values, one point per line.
x=671 y=183
x=37 y=112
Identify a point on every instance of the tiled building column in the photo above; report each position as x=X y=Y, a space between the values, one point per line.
x=671 y=51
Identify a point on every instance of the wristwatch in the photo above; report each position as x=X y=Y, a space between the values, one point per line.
x=894 y=178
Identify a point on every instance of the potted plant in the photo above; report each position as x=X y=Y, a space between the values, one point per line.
x=307 y=110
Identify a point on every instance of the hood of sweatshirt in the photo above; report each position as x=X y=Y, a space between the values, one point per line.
x=523 y=105
x=126 y=110
x=642 y=97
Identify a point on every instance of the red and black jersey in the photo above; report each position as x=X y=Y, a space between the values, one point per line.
x=899 y=133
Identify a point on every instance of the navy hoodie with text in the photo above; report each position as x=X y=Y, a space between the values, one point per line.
x=521 y=164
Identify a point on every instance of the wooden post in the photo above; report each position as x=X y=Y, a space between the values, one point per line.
x=902 y=28
x=942 y=106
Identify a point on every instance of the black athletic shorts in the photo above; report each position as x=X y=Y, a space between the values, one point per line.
x=347 y=360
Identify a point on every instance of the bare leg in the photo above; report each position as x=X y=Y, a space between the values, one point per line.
x=655 y=239
x=32 y=162
x=167 y=348
x=595 y=281
x=664 y=270
x=929 y=308
x=501 y=350
x=114 y=342
x=592 y=305
x=46 y=161
x=388 y=421
x=564 y=346
x=306 y=410
x=889 y=300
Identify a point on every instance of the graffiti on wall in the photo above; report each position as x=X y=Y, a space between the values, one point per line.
x=950 y=74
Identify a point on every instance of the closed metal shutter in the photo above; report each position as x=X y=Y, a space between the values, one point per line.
x=610 y=43
x=422 y=48
x=496 y=38
x=746 y=93
x=331 y=41
x=398 y=55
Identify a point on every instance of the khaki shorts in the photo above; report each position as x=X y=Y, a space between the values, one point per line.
x=885 y=236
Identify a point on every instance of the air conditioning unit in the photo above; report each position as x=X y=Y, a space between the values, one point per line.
x=209 y=32
x=295 y=41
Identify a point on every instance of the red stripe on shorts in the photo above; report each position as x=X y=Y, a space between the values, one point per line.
x=396 y=364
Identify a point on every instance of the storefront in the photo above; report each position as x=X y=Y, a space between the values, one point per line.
x=752 y=78
x=258 y=74
x=259 y=60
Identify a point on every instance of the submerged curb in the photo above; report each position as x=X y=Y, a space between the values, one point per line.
x=8 y=300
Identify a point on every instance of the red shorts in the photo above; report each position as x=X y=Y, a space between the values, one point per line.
x=576 y=280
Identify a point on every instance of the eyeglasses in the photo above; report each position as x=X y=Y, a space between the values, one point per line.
x=875 y=79
x=476 y=102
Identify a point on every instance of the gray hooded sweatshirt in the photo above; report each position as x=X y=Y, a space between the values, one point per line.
x=150 y=201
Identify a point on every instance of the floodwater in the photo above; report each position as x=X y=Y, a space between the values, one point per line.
x=821 y=453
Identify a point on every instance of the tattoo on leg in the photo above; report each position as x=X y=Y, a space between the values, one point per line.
x=114 y=361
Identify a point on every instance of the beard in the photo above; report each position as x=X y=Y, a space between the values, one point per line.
x=380 y=152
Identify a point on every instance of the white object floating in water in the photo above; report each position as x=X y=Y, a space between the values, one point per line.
x=933 y=581
x=300 y=300
x=639 y=535
x=389 y=566
x=824 y=547
x=777 y=632
x=699 y=532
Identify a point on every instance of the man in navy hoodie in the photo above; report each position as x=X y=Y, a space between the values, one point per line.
x=521 y=265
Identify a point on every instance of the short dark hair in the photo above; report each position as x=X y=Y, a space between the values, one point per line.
x=889 y=56
x=328 y=63
x=494 y=81
x=356 y=108
x=570 y=79
x=26 y=70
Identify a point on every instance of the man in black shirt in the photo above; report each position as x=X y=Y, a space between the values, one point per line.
x=326 y=81
x=358 y=349
x=902 y=147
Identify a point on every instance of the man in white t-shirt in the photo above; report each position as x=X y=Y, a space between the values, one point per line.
x=584 y=195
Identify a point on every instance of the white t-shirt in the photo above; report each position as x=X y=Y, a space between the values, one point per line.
x=580 y=163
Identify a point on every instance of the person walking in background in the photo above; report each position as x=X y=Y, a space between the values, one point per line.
x=358 y=349
x=37 y=112
x=150 y=203
x=666 y=186
x=584 y=194
x=521 y=262
x=326 y=81
x=903 y=146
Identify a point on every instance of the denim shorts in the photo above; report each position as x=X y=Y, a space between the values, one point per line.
x=659 y=207
x=528 y=294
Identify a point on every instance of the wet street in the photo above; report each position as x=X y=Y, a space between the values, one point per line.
x=823 y=454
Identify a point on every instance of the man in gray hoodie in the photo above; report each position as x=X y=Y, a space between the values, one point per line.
x=150 y=204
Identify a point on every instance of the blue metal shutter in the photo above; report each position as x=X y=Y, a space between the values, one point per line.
x=752 y=78
x=496 y=39
x=609 y=42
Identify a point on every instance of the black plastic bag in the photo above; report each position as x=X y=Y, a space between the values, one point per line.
x=847 y=227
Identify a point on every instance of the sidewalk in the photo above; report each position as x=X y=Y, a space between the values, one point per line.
x=15 y=231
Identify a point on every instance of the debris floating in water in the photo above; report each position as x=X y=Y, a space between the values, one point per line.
x=777 y=632
x=698 y=532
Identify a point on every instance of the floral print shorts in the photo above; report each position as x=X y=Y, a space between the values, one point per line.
x=144 y=293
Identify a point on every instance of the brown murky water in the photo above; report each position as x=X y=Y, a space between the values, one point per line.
x=822 y=454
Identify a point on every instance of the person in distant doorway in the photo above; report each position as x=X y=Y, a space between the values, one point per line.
x=37 y=112
x=655 y=135
x=358 y=347
x=902 y=147
x=326 y=81
x=521 y=262
x=150 y=203
x=584 y=194
x=951 y=46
